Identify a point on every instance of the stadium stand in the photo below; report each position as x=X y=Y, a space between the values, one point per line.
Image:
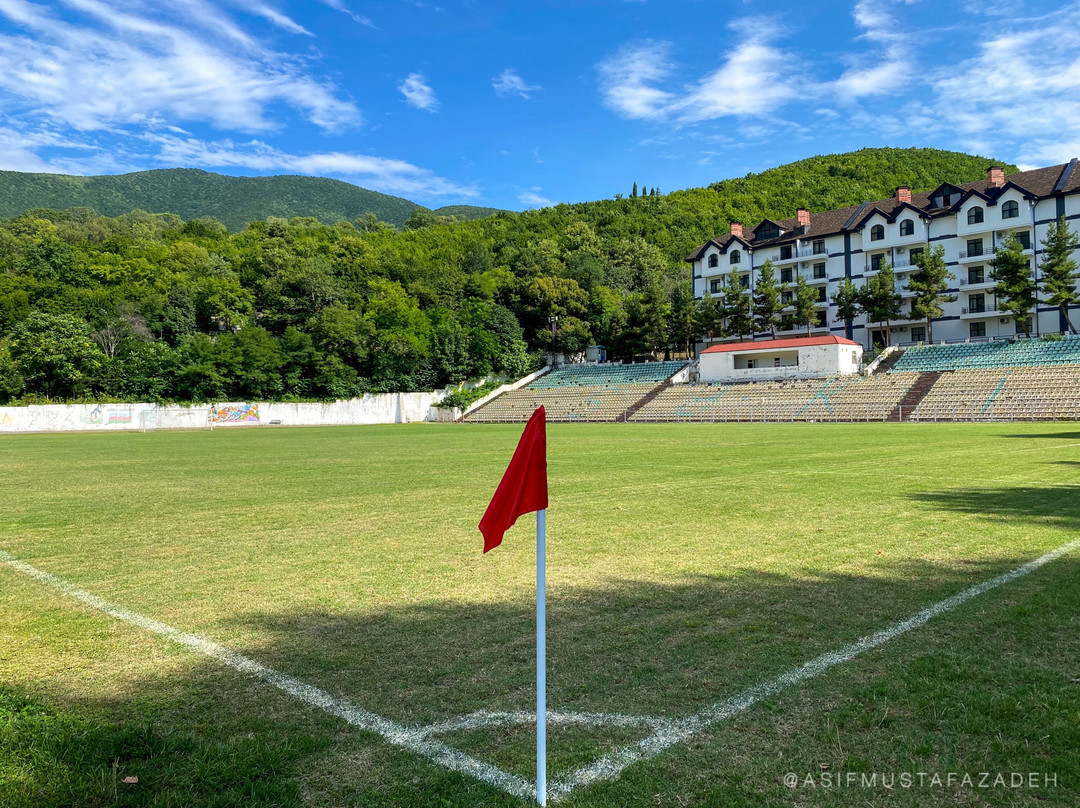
x=580 y=393
x=1026 y=379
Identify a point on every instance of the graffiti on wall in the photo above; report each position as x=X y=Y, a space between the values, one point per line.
x=238 y=414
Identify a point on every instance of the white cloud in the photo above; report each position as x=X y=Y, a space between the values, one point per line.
x=876 y=73
x=339 y=5
x=1022 y=86
x=510 y=83
x=532 y=198
x=113 y=68
x=379 y=173
x=418 y=92
x=279 y=19
x=754 y=79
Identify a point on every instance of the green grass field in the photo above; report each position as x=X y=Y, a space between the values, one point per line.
x=686 y=563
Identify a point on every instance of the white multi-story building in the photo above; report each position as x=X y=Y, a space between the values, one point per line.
x=968 y=220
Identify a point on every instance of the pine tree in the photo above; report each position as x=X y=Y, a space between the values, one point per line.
x=806 y=300
x=1015 y=289
x=847 y=301
x=682 y=324
x=929 y=283
x=767 y=300
x=710 y=317
x=737 y=307
x=1059 y=270
x=880 y=301
x=633 y=193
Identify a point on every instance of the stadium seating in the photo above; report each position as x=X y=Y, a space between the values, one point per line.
x=998 y=354
x=837 y=398
x=580 y=393
x=1018 y=393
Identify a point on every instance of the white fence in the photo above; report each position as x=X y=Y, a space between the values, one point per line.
x=382 y=408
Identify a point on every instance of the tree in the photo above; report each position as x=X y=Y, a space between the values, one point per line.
x=847 y=301
x=1015 y=287
x=767 y=300
x=929 y=283
x=709 y=317
x=880 y=301
x=647 y=315
x=806 y=300
x=683 y=324
x=633 y=193
x=737 y=312
x=1059 y=270
x=55 y=355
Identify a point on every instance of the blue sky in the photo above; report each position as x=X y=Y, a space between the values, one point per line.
x=526 y=104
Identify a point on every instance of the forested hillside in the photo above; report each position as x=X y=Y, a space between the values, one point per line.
x=191 y=193
x=152 y=307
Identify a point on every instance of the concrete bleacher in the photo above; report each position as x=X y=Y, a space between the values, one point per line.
x=997 y=354
x=836 y=398
x=580 y=393
x=1034 y=393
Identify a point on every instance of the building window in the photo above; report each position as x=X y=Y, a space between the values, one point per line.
x=768 y=231
x=776 y=362
x=819 y=246
x=713 y=261
x=877 y=232
x=907 y=227
x=1024 y=237
x=975 y=215
x=785 y=252
x=819 y=271
x=976 y=275
x=787 y=297
x=736 y=257
x=977 y=329
x=787 y=323
x=974 y=247
x=1010 y=210
x=1020 y=326
x=918 y=334
x=913 y=255
x=744 y=281
x=876 y=261
x=822 y=319
x=821 y=295
x=716 y=286
x=785 y=275
x=946 y=199
x=750 y=364
x=976 y=303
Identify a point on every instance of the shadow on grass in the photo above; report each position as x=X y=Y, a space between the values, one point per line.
x=212 y=737
x=1056 y=435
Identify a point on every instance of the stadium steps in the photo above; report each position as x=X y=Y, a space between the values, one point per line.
x=887 y=363
x=915 y=395
x=645 y=399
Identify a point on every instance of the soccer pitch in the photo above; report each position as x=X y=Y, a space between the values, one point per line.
x=688 y=565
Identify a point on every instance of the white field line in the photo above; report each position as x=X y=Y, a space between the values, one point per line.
x=408 y=738
x=683 y=729
x=484 y=718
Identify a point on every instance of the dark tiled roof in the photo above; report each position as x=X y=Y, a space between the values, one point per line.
x=1039 y=182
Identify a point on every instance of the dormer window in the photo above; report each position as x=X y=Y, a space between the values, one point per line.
x=736 y=257
x=975 y=215
x=714 y=261
x=1010 y=210
x=907 y=227
x=877 y=232
x=768 y=231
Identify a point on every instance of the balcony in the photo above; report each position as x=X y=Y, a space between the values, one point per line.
x=972 y=286
x=970 y=257
x=805 y=252
x=974 y=312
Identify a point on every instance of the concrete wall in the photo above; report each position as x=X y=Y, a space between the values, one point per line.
x=384 y=408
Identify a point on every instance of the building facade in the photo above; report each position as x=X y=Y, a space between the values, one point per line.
x=775 y=359
x=968 y=221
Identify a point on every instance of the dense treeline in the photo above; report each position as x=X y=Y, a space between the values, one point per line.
x=151 y=307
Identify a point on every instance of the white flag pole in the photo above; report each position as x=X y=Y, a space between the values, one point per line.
x=541 y=658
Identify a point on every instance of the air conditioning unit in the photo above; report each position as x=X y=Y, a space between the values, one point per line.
x=1002 y=233
x=900 y=249
x=1004 y=320
x=903 y=328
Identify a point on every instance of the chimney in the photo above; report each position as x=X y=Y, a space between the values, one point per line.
x=802 y=216
x=995 y=177
x=736 y=229
x=903 y=194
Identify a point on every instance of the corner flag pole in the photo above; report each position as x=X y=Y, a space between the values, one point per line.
x=541 y=657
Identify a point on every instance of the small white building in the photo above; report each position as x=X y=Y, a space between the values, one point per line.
x=768 y=360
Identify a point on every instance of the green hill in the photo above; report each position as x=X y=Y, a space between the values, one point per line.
x=191 y=193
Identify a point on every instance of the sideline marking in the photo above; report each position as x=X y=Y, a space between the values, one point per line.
x=408 y=738
x=680 y=730
x=667 y=732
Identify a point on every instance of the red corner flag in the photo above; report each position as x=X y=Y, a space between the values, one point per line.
x=523 y=488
